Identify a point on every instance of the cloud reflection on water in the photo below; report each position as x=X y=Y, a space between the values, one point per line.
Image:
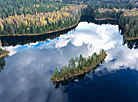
x=27 y=72
x=94 y=37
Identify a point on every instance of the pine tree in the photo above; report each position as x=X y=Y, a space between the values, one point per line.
x=56 y=72
x=72 y=63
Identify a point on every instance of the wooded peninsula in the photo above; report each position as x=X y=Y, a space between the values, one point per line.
x=125 y=11
x=78 y=66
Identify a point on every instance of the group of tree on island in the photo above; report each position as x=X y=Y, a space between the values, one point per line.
x=78 y=66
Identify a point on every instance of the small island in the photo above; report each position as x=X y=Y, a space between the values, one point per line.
x=78 y=66
x=3 y=52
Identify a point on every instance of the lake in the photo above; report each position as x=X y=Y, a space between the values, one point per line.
x=26 y=71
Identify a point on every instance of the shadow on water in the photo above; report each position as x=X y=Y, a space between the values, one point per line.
x=14 y=40
x=72 y=80
x=2 y=63
x=91 y=19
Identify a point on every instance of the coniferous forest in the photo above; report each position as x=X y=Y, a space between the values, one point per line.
x=22 y=17
x=36 y=16
x=66 y=42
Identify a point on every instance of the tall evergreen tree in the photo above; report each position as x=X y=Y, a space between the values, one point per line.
x=11 y=29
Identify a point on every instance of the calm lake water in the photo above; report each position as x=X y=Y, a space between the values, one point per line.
x=26 y=71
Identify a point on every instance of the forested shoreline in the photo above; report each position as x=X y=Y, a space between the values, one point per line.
x=20 y=17
x=49 y=32
x=126 y=14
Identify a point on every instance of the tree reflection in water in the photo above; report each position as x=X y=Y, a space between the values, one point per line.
x=131 y=44
x=91 y=19
x=15 y=40
x=2 y=63
x=71 y=80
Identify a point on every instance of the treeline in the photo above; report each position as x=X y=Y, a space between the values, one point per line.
x=117 y=2
x=78 y=66
x=10 y=29
x=108 y=14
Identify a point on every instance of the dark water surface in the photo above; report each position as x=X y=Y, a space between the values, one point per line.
x=26 y=74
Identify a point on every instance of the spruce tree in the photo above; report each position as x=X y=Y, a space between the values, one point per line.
x=33 y=30
x=11 y=30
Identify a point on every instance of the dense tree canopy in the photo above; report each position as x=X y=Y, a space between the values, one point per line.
x=36 y=16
